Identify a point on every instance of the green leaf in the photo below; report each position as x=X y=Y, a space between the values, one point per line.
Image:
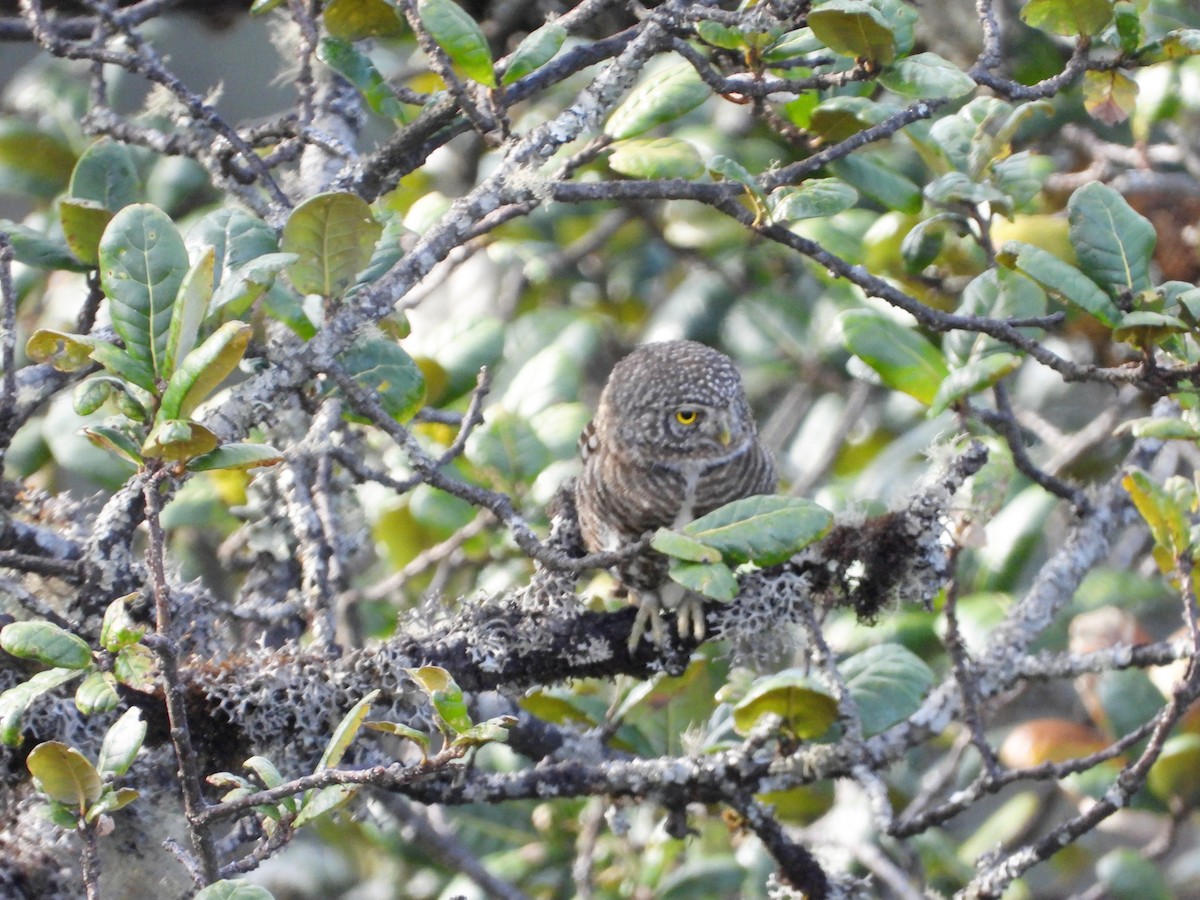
x=358 y=69
x=1127 y=874
x=247 y=282
x=47 y=643
x=121 y=744
x=490 y=732
x=1114 y=244
x=237 y=238
x=332 y=235
x=460 y=37
x=1144 y=328
x=837 y=118
x=977 y=375
x=265 y=770
x=904 y=359
x=446 y=695
x=1068 y=17
x=854 y=28
x=537 y=49
x=83 y=223
x=997 y=294
x=656 y=158
x=1163 y=429
x=136 y=666
x=97 y=693
x=111 y=801
x=203 y=369
x=346 y=731
x=118 y=629
x=92 y=393
x=1109 y=97
x=765 y=529
x=234 y=890
x=1060 y=279
x=718 y=35
x=1173 y=775
x=323 y=801
x=816 y=198
x=792 y=45
x=32 y=161
x=926 y=76
x=887 y=683
x=64 y=351
x=177 y=440
x=714 y=580
x=660 y=97
x=1129 y=26
x=1167 y=517
x=107 y=175
x=354 y=20
x=258 y=8
x=1177 y=44
x=880 y=183
x=191 y=306
x=384 y=368
x=922 y=245
x=16 y=700
x=236 y=456
x=404 y=731
x=124 y=366
x=806 y=708
x=142 y=264
x=507 y=445
x=40 y=251
x=115 y=440
x=681 y=546
x=64 y=774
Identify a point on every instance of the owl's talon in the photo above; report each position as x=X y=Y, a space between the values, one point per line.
x=649 y=613
x=689 y=617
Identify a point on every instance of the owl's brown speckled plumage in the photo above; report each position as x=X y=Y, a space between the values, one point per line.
x=672 y=440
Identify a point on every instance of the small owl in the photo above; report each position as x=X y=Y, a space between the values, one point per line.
x=672 y=440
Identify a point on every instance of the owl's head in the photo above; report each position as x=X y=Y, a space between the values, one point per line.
x=675 y=401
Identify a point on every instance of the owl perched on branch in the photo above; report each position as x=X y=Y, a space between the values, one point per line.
x=672 y=440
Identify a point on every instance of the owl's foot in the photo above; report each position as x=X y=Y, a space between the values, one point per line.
x=649 y=613
x=689 y=616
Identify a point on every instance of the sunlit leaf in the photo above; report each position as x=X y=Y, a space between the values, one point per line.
x=887 y=683
x=661 y=97
x=1113 y=242
x=64 y=774
x=537 y=49
x=926 y=76
x=765 y=529
x=656 y=158
x=47 y=643
x=203 y=369
x=854 y=28
x=1068 y=17
x=121 y=744
x=345 y=732
x=904 y=359
x=97 y=693
x=460 y=37
x=446 y=695
x=354 y=20
x=1060 y=279
x=714 y=580
x=142 y=264
x=16 y=700
x=806 y=708
x=332 y=235
x=236 y=456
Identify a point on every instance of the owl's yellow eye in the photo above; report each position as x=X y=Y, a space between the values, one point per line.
x=686 y=416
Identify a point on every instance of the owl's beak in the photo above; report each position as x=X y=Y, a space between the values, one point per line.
x=723 y=433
